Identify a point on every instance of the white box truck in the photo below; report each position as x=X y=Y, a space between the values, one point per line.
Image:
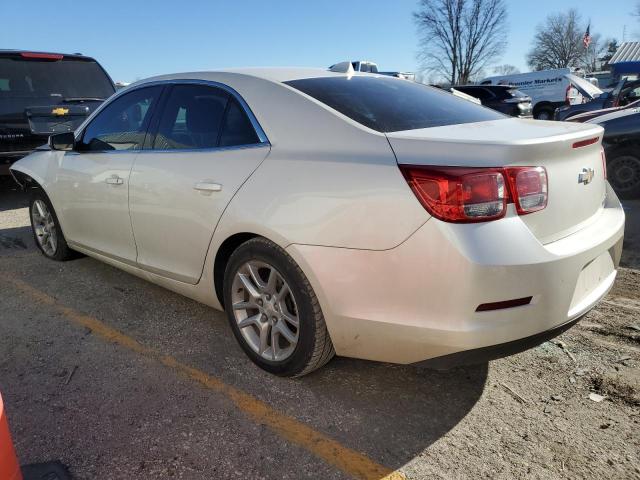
x=548 y=89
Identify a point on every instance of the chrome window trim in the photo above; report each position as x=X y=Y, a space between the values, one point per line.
x=202 y=150
x=174 y=150
x=262 y=136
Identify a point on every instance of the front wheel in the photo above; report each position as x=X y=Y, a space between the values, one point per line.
x=46 y=229
x=623 y=172
x=273 y=311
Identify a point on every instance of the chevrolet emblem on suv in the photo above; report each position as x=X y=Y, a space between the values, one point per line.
x=60 y=111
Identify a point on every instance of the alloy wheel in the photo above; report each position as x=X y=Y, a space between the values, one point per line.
x=265 y=310
x=45 y=227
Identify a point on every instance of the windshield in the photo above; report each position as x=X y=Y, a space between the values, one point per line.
x=390 y=105
x=64 y=79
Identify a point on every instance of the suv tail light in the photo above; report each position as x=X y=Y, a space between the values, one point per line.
x=604 y=162
x=468 y=195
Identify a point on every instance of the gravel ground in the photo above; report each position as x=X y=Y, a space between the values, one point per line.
x=109 y=411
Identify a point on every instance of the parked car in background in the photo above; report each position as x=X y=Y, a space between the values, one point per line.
x=583 y=117
x=624 y=93
x=42 y=94
x=346 y=237
x=502 y=98
x=548 y=89
x=621 y=142
x=366 y=66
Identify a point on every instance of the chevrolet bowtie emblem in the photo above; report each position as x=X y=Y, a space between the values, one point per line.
x=59 y=111
x=586 y=175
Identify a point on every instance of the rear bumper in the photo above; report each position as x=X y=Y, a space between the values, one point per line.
x=493 y=352
x=418 y=301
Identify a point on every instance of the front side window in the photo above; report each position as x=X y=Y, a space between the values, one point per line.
x=121 y=125
x=201 y=117
x=391 y=105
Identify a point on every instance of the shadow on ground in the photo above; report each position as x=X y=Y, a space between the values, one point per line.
x=631 y=250
x=10 y=195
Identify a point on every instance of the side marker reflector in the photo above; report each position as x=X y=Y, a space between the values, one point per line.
x=518 y=302
x=584 y=143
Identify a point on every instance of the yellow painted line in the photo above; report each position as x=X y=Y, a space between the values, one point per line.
x=331 y=451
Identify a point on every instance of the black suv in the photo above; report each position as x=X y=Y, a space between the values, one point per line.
x=503 y=98
x=45 y=93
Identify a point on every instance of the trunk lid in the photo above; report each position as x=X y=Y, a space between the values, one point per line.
x=572 y=204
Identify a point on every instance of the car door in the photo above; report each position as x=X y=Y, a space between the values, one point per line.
x=203 y=146
x=93 y=180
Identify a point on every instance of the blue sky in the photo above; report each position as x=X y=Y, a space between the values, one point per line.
x=136 y=39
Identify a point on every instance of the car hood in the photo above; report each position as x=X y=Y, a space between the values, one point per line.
x=586 y=88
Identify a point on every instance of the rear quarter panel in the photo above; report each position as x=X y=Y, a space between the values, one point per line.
x=327 y=181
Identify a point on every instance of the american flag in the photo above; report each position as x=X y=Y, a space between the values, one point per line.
x=586 y=40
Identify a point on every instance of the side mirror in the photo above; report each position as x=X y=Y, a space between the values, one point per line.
x=62 y=141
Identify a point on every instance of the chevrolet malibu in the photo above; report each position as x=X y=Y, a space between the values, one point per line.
x=337 y=213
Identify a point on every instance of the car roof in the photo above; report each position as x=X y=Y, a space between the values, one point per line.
x=273 y=74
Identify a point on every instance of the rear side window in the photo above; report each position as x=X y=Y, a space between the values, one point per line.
x=123 y=123
x=201 y=117
x=237 y=128
x=63 y=79
x=390 y=105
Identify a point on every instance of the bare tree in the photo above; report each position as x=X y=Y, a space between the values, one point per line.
x=558 y=42
x=505 y=69
x=460 y=37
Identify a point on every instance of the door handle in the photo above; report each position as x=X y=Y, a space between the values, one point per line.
x=114 y=180
x=207 y=187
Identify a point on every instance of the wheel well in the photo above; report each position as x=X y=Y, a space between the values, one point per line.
x=25 y=181
x=543 y=106
x=222 y=258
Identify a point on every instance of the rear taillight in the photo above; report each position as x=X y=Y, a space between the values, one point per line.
x=604 y=162
x=467 y=195
x=528 y=188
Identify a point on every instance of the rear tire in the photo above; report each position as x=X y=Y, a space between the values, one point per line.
x=273 y=311
x=623 y=172
x=47 y=233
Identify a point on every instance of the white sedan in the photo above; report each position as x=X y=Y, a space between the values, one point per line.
x=337 y=213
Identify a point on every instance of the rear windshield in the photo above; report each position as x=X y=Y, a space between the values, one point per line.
x=390 y=105
x=66 y=78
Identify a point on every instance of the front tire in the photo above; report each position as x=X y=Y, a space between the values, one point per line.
x=47 y=232
x=544 y=113
x=273 y=311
